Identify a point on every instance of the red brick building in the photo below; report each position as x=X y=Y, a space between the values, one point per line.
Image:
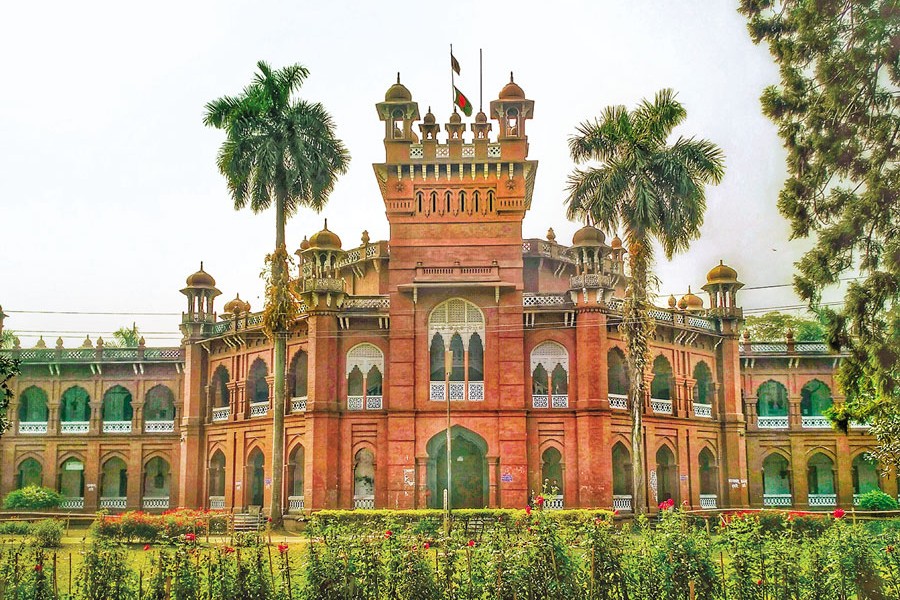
x=520 y=334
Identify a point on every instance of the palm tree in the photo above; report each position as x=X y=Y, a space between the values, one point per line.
x=277 y=148
x=655 y=193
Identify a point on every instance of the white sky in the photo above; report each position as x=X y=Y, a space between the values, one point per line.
x=109 y=191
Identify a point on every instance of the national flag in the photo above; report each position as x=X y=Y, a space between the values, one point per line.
x=462 y=102
x=454 y=64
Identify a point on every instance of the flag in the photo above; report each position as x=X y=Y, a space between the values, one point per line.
x=454 y=64
x=462 y=102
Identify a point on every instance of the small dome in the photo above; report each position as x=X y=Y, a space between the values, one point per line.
x=616 y=243
x=551 y=235
x=201 y=279
x=455 y=118
x=397 y=92
x=325 y=239
x=682 y=304
x=588 y=236
x=481 y=117
x=304 y=244
x=691 y=302
x=512 y=91
x=672 y=301
x=429 y=117
x=721 y=273
x=41 y=343
x=236 y=306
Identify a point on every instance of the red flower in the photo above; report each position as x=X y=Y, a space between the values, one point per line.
x=616 y=512
x=759 y=582
x=282 y=548
x=889 y=549
x=539 y=500
x=388 y=533
x=190 y=537
x=527 y=510
x=598 y=521
x=39 y=567
x=838 y=514
x=268 y=519
x=427 y=545
x=146 y=546
x=227 y=549
x=471 y=543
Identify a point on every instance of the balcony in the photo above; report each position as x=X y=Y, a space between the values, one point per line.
x=780 y=422
x=116 y=426
x=157 y=503
x=815 y=422
x=553 y=502
x=216 y=502
x=295 y=503
x=708 y=501
x=622 y=502
x=859 y=425
x=540 y=401
x=704 y=411
x=354 y=402
x=776 y=500
x=159 y=426
x=114 y=502
x=221 y=414
x=437 y=391
x=72 y=504
x=660 y=406
x=364 y=502
x=75 y=427
x=476 y=391
x=457 y=273
x=259 y=409
x=829 y=500
x=559 y=401
x=33 y=427
x=374 y=402
x=618 y=401
x=298 y=404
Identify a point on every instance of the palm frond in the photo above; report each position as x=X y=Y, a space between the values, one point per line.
x=599 y=139
x=656 y=120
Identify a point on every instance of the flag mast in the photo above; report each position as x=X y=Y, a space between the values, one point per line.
x=480 y=82
x=452 y=80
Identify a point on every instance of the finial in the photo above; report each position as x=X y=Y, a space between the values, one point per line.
x=141 y=342
x=511 y=77
x=59 y=343
x=429 y=108
x=201 y=265
x=365 y=237
x=100 y=342
x=17 y=344
x=41 y=343
x=398 y=76
x=326 y=223
x=551 y=235
x=689 y=289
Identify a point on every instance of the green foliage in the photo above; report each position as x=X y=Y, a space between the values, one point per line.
x=15 y=528
x=32 y=497
x=46 y=533
x=772 y=327
x=877 y=500
x=125 y=337
x=7 y=339
x=9 y=368
x=837 y=113
x=105 y=573
x=170 y=526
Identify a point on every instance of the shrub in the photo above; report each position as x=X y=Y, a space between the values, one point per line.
x=46 y=534
x=877 y=500
x=144 y=527
x=15 y=528
x=32 y=497
x=105 y=573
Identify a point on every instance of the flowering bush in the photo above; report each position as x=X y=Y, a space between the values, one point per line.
x=32 y=497
x=169 y=526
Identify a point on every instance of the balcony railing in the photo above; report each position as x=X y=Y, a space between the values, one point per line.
x=703 y=410
x=117 y=502
x=298 y=404
x=159 y=426
x=374 y=402
x=822 y=500
x=559 y=400
x=116 y=426
x=780 y=422
x=156 y=503
x=622 y=502
x=777 y=500
x=33 y=427
x=859 y=425
x=708 y=501
x=221 y=414
x=354 y=402
x=437 y=391
x=217 y=502
x=660 y=406
x=553 y=502
x=259 y=409
x=476 y=391
x=540 y=401
x=364 y=502
x=72 y=503
x=295 y=503
x=75 y=427
x=619 y=401
x=815 y=422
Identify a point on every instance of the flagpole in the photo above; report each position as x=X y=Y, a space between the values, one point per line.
x=452 y=80
x=480 y=82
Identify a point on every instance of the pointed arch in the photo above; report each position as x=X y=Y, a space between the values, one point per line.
x=617 y=372
x=661 y=386
x=815 y=398
x=703 y=384
x=552 y=471
x=159 y=404
x=820 y=479
x=114 y=478
x=257 y=386
x=666 y=474
x=219 y=394
x=364 y=478
x=469 y=477
x=75 y=405
x=29 y=472
x=771 y=399
x=216 y=478
x=776 y=477
x=157 y=477
x=71 y=477
x=33 y=405
x=298 y=375
x=621 y=470
x=865 y=474
x=256 y=476
x=296 y=471
x=709 y=474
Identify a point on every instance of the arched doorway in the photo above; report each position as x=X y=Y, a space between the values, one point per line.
x=666 y=475
x=217 y=480
x=865 y=475
x=256 y=475
x=709 y=479
x=113 y=483
x=820 y=481
x=30 y=473
x=776 y=481
x=364 y=479
x=469 y=480
x=157 y=479
x=296 y=466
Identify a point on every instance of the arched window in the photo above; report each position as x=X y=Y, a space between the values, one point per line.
x=512 y=122
x=217 y=477
x=551 y=472
x=117 y=405
x=815 y=399
x=476 y=359
x=820 y=480
x=397 y=128
x=476 y=200
x=660 y=387
x=257 y=386
x=365 y=368
x=772 y=400
x=550 y=372
x=75 y=405
x=256 y=475
x=113 y=480
x=71 y=478
x=33 y=406
x=458 y=360
x=709 y=478
x=159 y=404
x=433 y=202
x=865 y=475
x=462 y=202
x=30 y=472
x=666 y=475
x=621 y=476
x=448 y=196
x=219 y=388
x=364 y=479
x=436 y=357
x=296 y=465
x=419 y=198
x=617 y=377
x=298 y=375
x=157 y=477
x=457 y=325
x=540 y=383
x=776 y=481
x=703 y=388
x=490 y=200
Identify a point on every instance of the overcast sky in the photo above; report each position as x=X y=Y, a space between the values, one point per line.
x=109 y=191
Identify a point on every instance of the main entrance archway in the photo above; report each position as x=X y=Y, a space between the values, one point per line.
x=469 y=469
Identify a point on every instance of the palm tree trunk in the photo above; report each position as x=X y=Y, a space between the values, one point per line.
x=278 y=400
x=636 y=330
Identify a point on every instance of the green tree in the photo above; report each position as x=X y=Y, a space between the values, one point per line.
x=654 y=192
x=281 y=150
x=837 y=109
x=125 y=337
x=7 y=339
x=9 y=368
x=772 y=327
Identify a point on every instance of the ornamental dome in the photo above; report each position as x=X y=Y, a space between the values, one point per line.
x=691 y=302
x=672 y=301
x=481 y=117
x=429 y=117
x=616 y=243
x=512 y=91
x=397 y=92
x=304 y=244
x=325 y=239
x=201 y=279
x=588 y=236
x=455 y=118
x=721 y=273
x=236 y=306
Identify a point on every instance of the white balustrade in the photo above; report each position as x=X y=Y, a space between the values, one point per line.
x=476 y=391
x=553 y=502
x=815 y=422
x=72 y=503
x=354 y=402
x=540 y=401
x=703 y=410
x=822 y=500
x=772 y=422
x=436 y=391
x=859 y=425
x=33 y=427
x=777 y=500
x=116 y=426
x=157 y=503
x=374 y=402
x=216 y=502
x=159 y=426
x=622 y=502
x=364 y=502
x=560 y=400
x=298 y=404
x=295 y=503
x=619 y=401
x=457 y=390
x=259 y=409
x=75 y=427
x=221 y=414
x=708 y=501
x=118 y=502
x=660 y=406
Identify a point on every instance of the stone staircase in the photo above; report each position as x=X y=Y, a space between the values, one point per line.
x=249 y=521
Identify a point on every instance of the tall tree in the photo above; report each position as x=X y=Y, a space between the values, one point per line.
x=653 y=191
x=772 y=327
x=283 y=150
x=837 y=108
x=125 y=337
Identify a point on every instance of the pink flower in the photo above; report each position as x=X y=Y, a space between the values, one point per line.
x=838 y=514
x=616 y=512
x=268 y=519
x=39 y=567
x=539 y=500
x=471 y=543
x=227 y=549
x=282 y=548
x=527 y=510
x=146 y=547
x=427 y=545
x=889 y=549
x=190 y=537
x=388 y=533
